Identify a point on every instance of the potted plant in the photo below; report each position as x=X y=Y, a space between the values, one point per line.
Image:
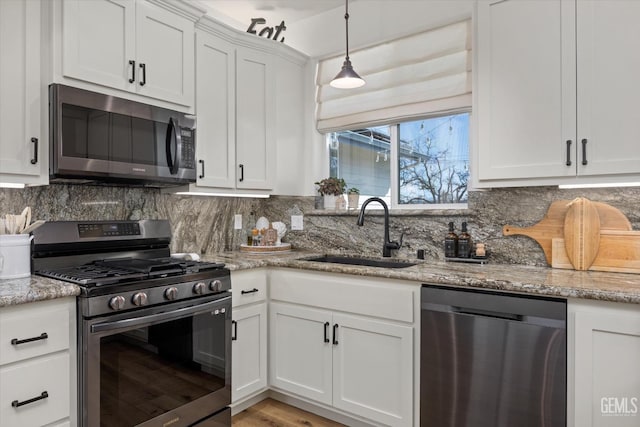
x=330 y=188
x=353 y=194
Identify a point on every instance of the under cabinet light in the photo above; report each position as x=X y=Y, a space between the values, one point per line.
x=600 y=185
x=201 y=193
x=11 y=185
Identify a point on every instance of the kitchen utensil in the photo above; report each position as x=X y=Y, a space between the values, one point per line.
x=25 y=218
x=11 y=223
x=581 y=233
x=552 y=224
x=32 y=227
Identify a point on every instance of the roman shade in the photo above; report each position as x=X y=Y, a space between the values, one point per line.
x=406 y=78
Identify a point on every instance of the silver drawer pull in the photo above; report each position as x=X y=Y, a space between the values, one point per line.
x=16 y=341
x=17 y=404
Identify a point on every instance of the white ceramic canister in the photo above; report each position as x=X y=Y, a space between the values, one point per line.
x=15 y=256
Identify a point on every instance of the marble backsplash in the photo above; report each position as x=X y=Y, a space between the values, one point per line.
x=205 y=224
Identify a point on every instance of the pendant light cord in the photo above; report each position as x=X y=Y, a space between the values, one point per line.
x=346 y=20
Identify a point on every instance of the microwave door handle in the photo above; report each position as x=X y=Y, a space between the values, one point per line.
x=173 y=130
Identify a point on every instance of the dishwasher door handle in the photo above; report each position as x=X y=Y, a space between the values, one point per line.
x=487 y=313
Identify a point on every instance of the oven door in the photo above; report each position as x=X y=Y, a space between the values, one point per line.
x=167 y=365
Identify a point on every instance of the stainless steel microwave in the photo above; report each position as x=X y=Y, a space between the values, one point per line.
x=105 y=139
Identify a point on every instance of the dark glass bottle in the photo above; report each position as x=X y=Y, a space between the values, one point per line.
x=464 y=242
x=451 y=243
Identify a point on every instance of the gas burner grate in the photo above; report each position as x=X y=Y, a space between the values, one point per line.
x=91 y=274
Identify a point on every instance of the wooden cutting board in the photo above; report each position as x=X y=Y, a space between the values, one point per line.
x=581 y=233
x=619 y=251
x=552 y=225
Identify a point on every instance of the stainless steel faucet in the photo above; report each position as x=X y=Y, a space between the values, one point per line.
x=388 y=245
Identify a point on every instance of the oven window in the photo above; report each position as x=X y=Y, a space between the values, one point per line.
x=149 y=371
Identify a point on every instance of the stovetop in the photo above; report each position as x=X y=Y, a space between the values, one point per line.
x=126 y=270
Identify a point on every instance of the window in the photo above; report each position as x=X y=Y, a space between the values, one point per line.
x=417 y=164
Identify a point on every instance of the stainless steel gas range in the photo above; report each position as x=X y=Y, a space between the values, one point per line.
x=154 y=333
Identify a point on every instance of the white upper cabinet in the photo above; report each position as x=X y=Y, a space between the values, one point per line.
x=235 y=106
x=133 y=46
x=241 y=134
x=23 y=139
x=554 y=92
x=215 y=107
x=255 y=120
x=608 y=60
x=99 y=50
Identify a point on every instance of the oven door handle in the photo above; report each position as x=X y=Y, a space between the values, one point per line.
x=165 y=316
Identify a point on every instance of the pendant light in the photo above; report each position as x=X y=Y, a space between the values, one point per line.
x=347 y=78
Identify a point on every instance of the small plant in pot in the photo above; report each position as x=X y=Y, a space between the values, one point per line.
x=353 y=194
x=330 y=188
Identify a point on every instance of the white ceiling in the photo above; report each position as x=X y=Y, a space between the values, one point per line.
x=316 y=27
x=272 y=10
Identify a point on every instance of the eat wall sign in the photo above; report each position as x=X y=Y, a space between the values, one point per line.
x=269 y=32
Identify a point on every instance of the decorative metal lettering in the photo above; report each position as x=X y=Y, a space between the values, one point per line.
x=268 y=32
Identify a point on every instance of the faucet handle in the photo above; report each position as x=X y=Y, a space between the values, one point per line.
x=394 y=244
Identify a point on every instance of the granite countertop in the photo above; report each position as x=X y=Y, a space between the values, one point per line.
x=616 y=287
x=34 y=288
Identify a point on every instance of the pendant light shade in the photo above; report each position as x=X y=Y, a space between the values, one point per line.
x=347 y=78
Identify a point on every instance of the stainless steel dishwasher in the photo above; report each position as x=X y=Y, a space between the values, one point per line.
x=490 y=359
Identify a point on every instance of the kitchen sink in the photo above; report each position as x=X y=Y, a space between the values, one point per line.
x=383 y=263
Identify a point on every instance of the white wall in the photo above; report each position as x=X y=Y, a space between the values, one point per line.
x=372 y=22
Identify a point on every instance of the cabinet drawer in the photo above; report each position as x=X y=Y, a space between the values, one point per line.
x=371 y=296
x=248 y=287
x=27 y=380
x=29 y=322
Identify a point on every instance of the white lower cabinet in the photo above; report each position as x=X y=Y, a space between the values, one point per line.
x=344 y=343
x=248 y=334
x=358 y=365
x=301 y=356
x=249 y=347
x=604 y=364
x=37 y=364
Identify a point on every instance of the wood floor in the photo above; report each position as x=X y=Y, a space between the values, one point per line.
x=271 y=413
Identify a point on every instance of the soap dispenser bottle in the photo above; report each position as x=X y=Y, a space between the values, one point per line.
x=464 y=242
x=451 y=243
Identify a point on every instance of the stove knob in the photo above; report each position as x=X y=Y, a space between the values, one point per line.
x=216 y=286
x=139 y=299
x=117 y=302
x=171 y=293
x=199 y=288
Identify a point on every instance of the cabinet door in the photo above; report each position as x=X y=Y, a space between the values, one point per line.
x=255 y=120
x=372 y=370
x=98 y=41
x=165 y=52
x=607 y=373
x=300 y=351
x=608 y=90
x=525 y=89
x=249 y=351
x=215 y=107
x=20 y=99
